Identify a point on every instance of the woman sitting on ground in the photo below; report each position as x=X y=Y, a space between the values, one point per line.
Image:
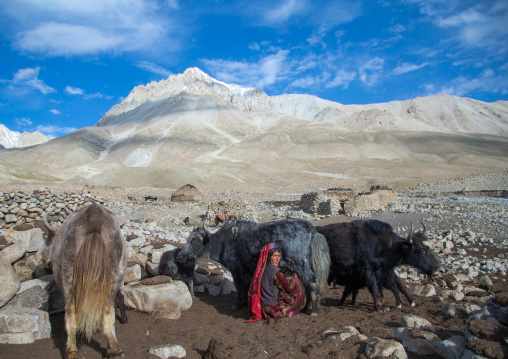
x=273 y=294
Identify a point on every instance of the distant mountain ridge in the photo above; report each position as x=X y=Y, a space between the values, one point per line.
x=191 y=128
x=439 y=113
x=14 y=139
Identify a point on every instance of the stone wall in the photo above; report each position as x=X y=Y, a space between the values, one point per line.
x=18 y=207
x=327 y=202
x=346 y=201
x=105 y=192
x=371 y=201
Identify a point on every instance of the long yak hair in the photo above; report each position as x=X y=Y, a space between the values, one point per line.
x=91 y=284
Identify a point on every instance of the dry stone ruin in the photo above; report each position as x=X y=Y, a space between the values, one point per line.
x=347 y=201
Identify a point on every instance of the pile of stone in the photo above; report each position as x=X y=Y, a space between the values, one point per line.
x=28 y=291
x=18 y=207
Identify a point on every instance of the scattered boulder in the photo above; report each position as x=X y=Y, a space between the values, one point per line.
x=452 y=348
x=417 y=341
x=168 y=351
x=9 y=279
x=147 y=298
x=382 y=348
x=14 y=319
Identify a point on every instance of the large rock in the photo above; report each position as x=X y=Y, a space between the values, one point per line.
x=488 y=348
x=168 y=351
x=132 y=274
x=412 y=321
x=32 y=239
x=417 y=341
x=15 y=319
x=453 y=309
x=147 y=298
x=43 y=282
x=452 y=348
x=9 y=281
x=487 y=330
x=382 y=348
x=14 y=252
x=427 y=290
x=17 y=338
x=35 y=298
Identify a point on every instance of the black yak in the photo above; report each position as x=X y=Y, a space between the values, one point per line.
x=183 y=270
x=88 y=256
x=364 y=253
x=238 y=243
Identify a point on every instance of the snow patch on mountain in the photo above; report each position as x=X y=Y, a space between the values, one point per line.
x=14 y=139
x=192 y=81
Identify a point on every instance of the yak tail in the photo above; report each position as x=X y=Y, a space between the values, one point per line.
x=320 y=258
x=91 y=285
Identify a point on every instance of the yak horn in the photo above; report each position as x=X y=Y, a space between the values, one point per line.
x=423 y=227
x=49 y=227
x=410 y=235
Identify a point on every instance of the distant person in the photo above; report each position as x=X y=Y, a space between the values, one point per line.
x=273 y=294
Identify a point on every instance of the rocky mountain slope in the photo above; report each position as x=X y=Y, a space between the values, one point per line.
x=14 y=139
x=194 y=129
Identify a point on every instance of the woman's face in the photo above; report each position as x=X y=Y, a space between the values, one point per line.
x=275 y=259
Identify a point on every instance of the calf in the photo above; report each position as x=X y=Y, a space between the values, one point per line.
x=364 y=253
x=178 y=270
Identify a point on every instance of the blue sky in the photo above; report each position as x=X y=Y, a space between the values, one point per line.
x=64 y=63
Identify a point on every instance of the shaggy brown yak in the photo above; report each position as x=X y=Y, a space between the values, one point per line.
x=88 y=256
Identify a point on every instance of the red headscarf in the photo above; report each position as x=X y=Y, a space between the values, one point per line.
x=255 y=287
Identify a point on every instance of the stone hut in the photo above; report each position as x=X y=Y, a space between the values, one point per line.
x=187 y=193
x=327 y=202
x=346 y=201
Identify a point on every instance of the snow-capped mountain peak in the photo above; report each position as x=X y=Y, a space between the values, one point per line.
x=192 y=82
x=14 y=139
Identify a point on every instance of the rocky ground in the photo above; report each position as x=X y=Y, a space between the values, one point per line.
x=457 y=306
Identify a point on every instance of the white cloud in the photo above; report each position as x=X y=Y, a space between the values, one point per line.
x=260 y=74
x=55 y=112
x=153 y=68
x=97 y=95
x=76 y=28
x=406 y=67
x=76 y=91
x=398 y=28
x=23 y=121
x=54 y=39
x=275 y=14
x=480 y=25
x=55 y=131
x=342 y=79
x=73 y=90
x=28 y=78
x=488 y=81
x=254 y=46
x=370 y=71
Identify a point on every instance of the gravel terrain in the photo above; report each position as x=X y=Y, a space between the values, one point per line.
x=469 y=235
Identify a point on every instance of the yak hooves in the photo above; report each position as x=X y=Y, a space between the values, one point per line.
x=114 y=353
